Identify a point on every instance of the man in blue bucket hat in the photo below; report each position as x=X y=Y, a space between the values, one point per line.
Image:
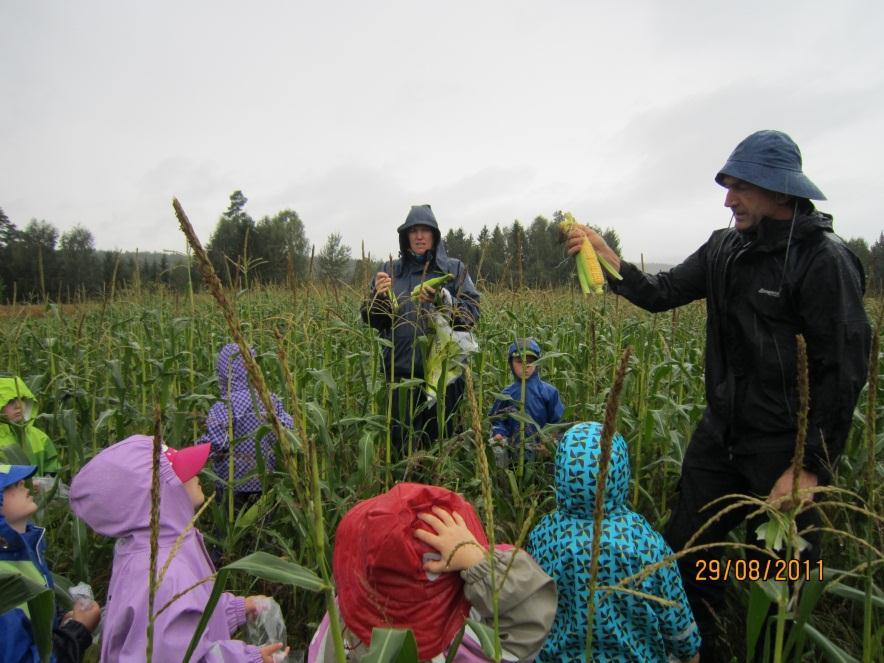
x=778 y=272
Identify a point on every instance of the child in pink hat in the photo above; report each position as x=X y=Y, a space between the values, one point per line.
x=112 y=494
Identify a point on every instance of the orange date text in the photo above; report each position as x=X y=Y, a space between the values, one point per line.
x=741 y=570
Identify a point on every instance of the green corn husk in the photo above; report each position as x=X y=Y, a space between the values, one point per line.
x=432 y=283
x=448 y=352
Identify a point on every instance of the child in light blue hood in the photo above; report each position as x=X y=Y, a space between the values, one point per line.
x=542 y=402
x=626 y=627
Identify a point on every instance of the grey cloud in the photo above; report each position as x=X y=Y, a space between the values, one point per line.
x=683 y=145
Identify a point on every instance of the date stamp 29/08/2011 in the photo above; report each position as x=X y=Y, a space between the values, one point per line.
x=741 y=570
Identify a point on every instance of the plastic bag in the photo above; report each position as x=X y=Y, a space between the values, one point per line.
x=501 y=452
x=82 y=595
x=51 y=486
x=83 y=598
x=266 y=627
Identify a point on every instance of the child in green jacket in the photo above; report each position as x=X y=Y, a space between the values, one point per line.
x=18 y=410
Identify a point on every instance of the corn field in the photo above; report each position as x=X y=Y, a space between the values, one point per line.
x=102 y=369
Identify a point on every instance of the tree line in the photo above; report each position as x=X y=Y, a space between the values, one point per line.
x=37 y=263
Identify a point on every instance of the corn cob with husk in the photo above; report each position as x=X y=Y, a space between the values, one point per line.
x=434 y=283
x=448 y=349
x=589 y=263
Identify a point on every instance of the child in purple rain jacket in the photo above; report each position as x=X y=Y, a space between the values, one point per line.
x=112 y=495
x=240 y=410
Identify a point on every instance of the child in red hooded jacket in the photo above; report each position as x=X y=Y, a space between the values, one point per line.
x=416 y=558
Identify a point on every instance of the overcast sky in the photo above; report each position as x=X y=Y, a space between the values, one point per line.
x=349 y=112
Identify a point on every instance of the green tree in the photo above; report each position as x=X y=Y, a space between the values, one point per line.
x=8 y=236
x=77 y=258
x=515 y=255
x=111 y=268
x=281 y=243
x=542 y=253
x=163 y=276
x=35 y=259
x=334 y=259
x=496 y=257
x=228 y=247
x=860 y=248
x=457 y=244
x=611 y=238
x=483 y=242
x=8 y=231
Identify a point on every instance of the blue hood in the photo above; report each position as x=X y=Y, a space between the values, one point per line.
x=626 y=627
x=232 y=374
x=577 y=468
x=523 y=346
x=422 y=215
x=542 y=401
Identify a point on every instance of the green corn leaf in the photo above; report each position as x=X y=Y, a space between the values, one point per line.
x=15 y=589
x=259 y=565
x=486 y=635
x=390 y=645
x=832 y=651
x=756 y=616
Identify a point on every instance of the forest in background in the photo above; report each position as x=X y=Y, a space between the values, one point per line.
x=37 y=263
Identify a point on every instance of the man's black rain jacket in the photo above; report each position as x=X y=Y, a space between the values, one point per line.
x=762 y=288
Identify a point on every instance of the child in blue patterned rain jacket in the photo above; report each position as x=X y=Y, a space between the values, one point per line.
x=241 y=412
x=542 y=403
x=626 y=627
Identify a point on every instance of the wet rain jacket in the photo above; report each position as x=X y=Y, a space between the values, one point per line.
x=412 y=319
x=112 y=495
x=239 y=402
x=36 y=444
x=542 y=401
x=626 y=627
x=756 y=302
x=25 y=553
x=526 y=601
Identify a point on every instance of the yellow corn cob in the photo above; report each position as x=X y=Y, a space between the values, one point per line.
x=589 y=271
x=588 y=259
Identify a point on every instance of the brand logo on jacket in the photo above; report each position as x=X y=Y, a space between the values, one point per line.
x=769 y=293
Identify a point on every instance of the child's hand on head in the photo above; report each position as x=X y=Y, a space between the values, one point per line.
x=453 y=540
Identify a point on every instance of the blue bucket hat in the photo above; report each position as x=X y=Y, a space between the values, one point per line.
x=771 y=160
x=12 y=474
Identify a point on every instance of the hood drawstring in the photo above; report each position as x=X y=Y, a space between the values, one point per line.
x=788 y=246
